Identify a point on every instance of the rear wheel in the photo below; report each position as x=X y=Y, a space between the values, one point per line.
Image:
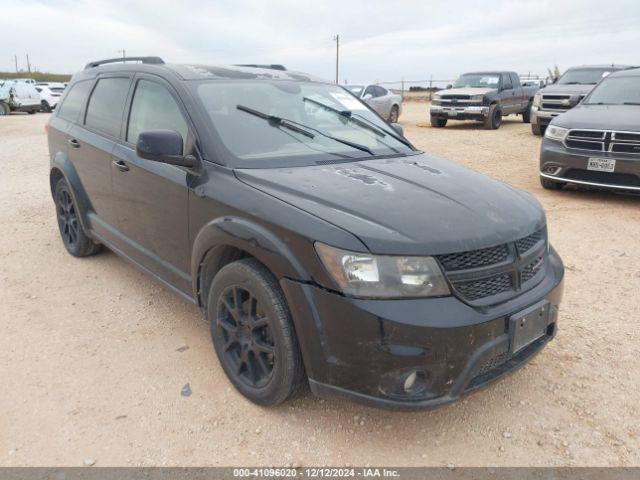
x=4 y=109
x=253 y=334
x=74 y=238
x=494 y=118
x=394 y=114
x=438 y=122
x=551 y=185
x=526 y=115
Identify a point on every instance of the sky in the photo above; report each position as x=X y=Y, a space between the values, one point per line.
x=379 y=40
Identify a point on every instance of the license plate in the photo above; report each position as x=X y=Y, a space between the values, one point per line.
x=529 y=325
x=452 y=113
x=601 y=164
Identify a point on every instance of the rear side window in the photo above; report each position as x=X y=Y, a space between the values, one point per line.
x=154 y=108
x=106 y=104
x=73 y=102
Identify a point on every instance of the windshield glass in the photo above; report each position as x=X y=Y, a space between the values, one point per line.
x=254 y=137
x=616 y=91
x=355 y=89
x=477 y=80
x=583 y=76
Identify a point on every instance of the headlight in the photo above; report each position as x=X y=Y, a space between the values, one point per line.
x=556 y=133
x=382 y=276
x=478 y=98
x=537 y=100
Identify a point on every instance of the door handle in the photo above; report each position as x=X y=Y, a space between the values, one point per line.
x=74 y=143
x=120 y=165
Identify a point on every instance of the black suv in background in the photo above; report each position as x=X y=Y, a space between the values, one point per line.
x=316 y=240
x=597 y=143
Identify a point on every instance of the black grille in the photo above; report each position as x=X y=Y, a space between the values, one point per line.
x=527 y=243
x=585 y=144
x=620 y=179
x=625 y=148
x=532 y=269
x=627 y=137
x=597 y=134
x=486 y=287
x=474 y=258
x=455 y=97
x=492 y=363
x=555 y=106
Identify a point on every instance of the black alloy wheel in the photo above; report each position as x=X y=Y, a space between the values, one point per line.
x=67 y=219
x=249 y=347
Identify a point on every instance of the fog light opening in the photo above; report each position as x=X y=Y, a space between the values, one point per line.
x=551 y=169
x=415 y=382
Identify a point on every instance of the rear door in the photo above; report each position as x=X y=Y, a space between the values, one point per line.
x=521 y=100
x=152 y=197
x=91 y=141
x=507 y=94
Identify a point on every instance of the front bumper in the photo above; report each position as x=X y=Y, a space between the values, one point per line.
x=363 y=349
x=542 y=118
x=459 y=112
x=565 y=165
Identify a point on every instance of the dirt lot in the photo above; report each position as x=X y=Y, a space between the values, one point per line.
x=92 y=364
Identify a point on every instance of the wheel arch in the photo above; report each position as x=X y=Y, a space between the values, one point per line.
x=228 y=239
x=62 y=167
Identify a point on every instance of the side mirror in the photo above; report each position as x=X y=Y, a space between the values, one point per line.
x=449 y=86
x=397 y=128
x=164 y=146
x=367 y=97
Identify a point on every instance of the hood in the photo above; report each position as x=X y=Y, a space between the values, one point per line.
x=466 y=91
x=415 y=205
x=601 y=117
x=567 y=89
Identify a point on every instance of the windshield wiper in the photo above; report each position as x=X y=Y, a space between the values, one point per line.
x=295 y=126
x=361 y=120
x=276 y=121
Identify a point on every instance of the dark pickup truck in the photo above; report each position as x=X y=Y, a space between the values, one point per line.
x=483 y=96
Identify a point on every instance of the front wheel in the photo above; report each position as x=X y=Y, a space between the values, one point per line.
x=438 y=122
x=494 y=118
x=526 y=115
x=536 y=129
x=394 y=114
x=4 y=109
x=253 y=334
x=45 y=107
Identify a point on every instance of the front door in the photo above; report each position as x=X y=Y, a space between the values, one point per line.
x=152 y=197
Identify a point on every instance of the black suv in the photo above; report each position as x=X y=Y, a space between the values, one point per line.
x=316 y=240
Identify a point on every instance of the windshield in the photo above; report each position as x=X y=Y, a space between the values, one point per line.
x=616 y=91
x=355 y=89
x=254 y=120
x=583 y=76
x=477 y=80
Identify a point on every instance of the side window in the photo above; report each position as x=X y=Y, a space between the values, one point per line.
x=154 y=108
x=380 y=91
x=506 y=81
x=74 y=100
x=106 y=104
x=515 y=81
x=371 y=90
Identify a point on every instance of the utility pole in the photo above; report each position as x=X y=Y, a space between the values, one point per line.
x=337 y=39
x=124 y=54
x=28 y=64
x=15 y=59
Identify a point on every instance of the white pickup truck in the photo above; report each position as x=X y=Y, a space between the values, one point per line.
x=17 y=96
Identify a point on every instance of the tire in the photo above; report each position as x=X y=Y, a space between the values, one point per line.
x=494 y=118
x=256 y=343
x=438 y=122
x=4 y=109
x=32 y=111
x=74 y=238
x=551 y=185
x=45 y=107
x=536 y=129
x=394 y=114
x=526 y=115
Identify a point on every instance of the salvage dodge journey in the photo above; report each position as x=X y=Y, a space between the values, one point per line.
x=319 y=244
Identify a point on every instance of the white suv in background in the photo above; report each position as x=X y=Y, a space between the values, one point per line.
x=50 y=94
x=18 y=96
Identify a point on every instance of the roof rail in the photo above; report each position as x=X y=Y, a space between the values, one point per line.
x=272 y=66
x=150 y=60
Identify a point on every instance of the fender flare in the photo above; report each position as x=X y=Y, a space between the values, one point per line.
x=221 y=233
x=67 y=170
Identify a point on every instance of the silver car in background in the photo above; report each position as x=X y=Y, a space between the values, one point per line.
x=386 y=103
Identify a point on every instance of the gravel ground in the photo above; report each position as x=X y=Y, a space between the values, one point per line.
x=94 y=355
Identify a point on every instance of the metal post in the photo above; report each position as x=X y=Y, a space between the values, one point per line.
x=15 y=59
x=28 y=64
x=337 y=39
